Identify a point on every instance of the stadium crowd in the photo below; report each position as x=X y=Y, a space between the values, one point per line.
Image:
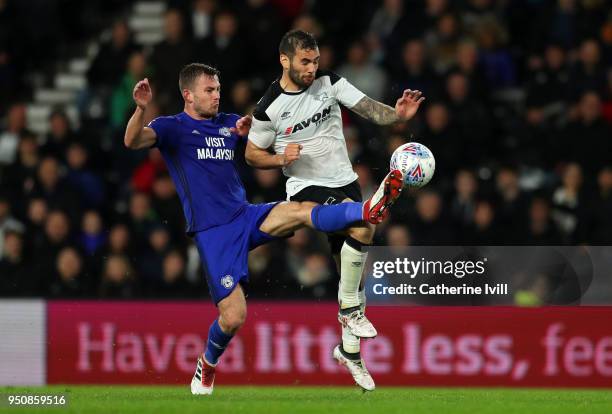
x=518 y=115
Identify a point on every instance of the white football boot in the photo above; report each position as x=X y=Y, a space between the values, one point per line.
x=203 y=379
x=357 y=369
x=357 y=323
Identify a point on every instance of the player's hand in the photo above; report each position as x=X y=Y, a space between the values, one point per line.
x=408 y=104
x=292 y=153
x=142 y=93
x=243 y=126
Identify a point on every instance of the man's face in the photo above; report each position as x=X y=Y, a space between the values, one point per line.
x=303 y=67
x=205 y=96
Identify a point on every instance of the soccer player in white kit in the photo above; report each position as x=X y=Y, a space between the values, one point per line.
x=299 y=118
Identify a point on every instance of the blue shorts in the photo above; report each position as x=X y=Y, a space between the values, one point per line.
x=224 y=250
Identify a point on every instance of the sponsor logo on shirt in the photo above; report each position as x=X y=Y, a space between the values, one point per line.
x=316 y=119
x=323 y=96
x=216 y=150
x=225 y=131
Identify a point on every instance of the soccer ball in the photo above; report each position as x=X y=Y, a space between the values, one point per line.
x=416 y=162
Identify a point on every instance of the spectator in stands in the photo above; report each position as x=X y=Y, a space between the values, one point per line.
x=117 y=243
x=464 y=202
x=59 y=137
x=429 y=227
x=225 y=50
x=37 y=211
x=202 y=16
x=110 y=62
x=19 y=177
x=241 y=98
x=268 y=186
x=92 y=236
x=145 y=173
x=442 y=139
x=471 y=120
x=397 y=235
x=7 y=221
x=568 y=203
x=88 y=184
x=483 y=231
x=511 y=207
x=496 y=59
x=14 y=127
x=361 y=72
x=165 y=202
x=414 y=72
x=599 y=216
x=172 y=283
x=150 y=262
x=314 y=277
x=142 y=219
x=442 y=41
x=69 y=279
x=56 y=237
x=50 y=186
x=549 y=80
x=168 y=57
x=588 y=73
x=542 y=230
x=268 y=271
x=594 y=135
x=118 y=279
x=16 y=276
x=467 y=63
x=263 y=28
x=121 y=99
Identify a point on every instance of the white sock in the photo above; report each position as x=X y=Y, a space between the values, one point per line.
x=362 y=299
x=350 y=342
x=351 y=268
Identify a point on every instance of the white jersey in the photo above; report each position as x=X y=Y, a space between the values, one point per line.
x=311 y=118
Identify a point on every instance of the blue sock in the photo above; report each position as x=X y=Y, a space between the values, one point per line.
x=216 y=343
x=336 y=217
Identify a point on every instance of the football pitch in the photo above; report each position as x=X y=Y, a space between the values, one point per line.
x=270 y=400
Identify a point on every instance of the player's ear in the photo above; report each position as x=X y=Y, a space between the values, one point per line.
x=187 y=95
x=284 y=61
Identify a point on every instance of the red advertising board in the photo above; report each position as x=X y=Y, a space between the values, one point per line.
x=291 y=343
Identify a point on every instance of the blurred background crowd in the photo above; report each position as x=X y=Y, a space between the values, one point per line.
x=518 y=115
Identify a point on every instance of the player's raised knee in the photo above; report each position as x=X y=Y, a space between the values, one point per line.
x=364 y=234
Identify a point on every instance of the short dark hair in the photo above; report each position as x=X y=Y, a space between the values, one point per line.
x=294 y=40
x=192 y=71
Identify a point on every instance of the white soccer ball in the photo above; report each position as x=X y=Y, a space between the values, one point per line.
x=416 y=162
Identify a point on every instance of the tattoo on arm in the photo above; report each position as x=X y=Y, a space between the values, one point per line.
x=375 y=111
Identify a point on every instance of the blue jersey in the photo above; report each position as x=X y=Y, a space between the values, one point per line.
x=200 y=159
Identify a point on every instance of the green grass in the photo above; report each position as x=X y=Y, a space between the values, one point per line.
x=347 y=400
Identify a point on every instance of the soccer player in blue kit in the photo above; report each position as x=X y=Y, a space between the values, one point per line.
x=198 y=146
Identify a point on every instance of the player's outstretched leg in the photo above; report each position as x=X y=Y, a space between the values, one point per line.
x=287 y=217
x=232 y=314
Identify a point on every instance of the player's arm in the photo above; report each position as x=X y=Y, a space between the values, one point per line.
x=261 y=158
x=262 y=135
x=138 y=136
x=381 y=114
